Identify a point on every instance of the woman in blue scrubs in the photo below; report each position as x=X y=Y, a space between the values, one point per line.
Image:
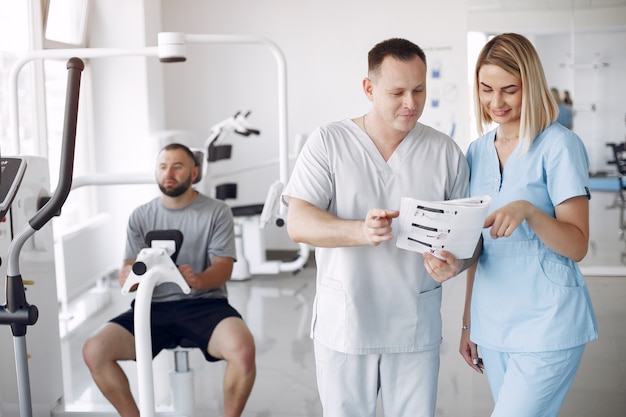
x=527 y=309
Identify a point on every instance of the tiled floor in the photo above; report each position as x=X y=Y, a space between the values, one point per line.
x=278 y=309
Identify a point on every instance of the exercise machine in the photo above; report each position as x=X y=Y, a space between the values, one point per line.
x=51 y=357
x=155 y=265
x=17 y=312
x=236 y=124
x=250 y=220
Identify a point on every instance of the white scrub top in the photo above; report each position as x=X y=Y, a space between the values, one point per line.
x=375 y=299
x=527 y=298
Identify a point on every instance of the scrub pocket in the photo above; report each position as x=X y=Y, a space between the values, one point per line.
x=428 y=326
x=559 y=270
x=329 y=322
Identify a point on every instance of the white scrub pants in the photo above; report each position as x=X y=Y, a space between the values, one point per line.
x=530 y=384
x=349 y=384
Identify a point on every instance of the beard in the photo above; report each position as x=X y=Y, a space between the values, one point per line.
x=178 y=190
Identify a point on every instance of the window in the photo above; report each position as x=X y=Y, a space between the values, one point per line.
x=66 y=21
x=41 y=89
x=14 y=41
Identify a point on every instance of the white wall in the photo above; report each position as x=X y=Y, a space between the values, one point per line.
x=547 y=21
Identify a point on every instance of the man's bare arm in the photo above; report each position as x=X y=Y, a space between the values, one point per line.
x=309 y=224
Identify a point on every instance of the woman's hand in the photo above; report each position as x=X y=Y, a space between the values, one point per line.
x=505 y=220
x=469 y=351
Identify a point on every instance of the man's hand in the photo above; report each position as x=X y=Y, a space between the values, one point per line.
x=190 y=277
x=124 y=273
x=441 y=270
x=377 y=225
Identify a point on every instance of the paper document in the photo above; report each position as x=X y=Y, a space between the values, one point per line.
x=452 y=225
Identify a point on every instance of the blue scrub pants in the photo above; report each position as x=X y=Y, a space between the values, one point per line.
x=349 y=384
x=530 y=384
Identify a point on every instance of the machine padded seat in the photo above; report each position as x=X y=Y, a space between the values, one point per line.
x=249 y=210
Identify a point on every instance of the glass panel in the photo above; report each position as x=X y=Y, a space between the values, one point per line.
x=66 y=21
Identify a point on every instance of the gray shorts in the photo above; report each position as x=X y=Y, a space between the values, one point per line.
x=186 y=323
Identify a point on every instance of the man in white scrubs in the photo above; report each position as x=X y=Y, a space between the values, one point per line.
x=376 y=319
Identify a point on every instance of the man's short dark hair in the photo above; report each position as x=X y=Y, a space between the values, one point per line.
x=180 y=146
x=397 y=48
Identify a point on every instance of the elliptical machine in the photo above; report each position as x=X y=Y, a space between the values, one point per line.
x=153 y=266
x=17 y=312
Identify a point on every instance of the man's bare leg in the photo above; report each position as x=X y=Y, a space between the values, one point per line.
x=233 y=342
x=101 y=353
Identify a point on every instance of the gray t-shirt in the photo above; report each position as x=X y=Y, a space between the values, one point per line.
x=208 y=231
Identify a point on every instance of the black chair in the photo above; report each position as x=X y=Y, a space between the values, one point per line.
x=619 y=159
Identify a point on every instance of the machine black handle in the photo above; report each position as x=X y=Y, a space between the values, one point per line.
x=139 y=268
x=75 y=67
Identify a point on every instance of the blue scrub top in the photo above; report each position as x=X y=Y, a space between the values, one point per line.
x=527 y=298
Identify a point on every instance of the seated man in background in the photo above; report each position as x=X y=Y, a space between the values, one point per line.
x=203 y=318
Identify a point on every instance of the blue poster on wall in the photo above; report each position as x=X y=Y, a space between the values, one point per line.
x=443 y=90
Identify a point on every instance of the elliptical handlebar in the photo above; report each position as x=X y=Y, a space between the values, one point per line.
x=75 y=67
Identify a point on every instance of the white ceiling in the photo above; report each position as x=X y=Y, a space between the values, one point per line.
x=514 y=5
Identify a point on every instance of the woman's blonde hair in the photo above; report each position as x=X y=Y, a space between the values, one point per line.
x=516 y=55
